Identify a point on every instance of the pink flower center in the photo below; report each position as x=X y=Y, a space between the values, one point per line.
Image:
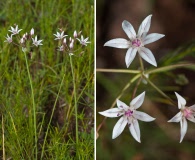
x=129 y=113
x=136 y=43
x=187 y=112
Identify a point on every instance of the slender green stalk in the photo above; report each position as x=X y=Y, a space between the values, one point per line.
x=75 y=100
x=141 y=63
x=34 y=107
x=117 y=70
x=159 y=90
x=3 y=139
x=51 y=116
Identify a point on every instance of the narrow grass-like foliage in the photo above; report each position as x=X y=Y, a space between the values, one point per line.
x=47 y=97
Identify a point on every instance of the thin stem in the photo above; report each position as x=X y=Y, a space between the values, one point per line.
x=75 y=101
x=52 y=116
x=141 y=63
x=136 y=87
x=3 y=139
x=117 y=70
x=159 y=90
x=34 y=107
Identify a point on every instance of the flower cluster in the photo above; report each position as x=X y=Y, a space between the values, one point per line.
x=129 y=114
x=24 y=40
x=67 y=44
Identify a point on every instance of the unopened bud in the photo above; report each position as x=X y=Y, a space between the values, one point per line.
x=32 y=31
x=71 y=45
x=75 y=34
x=64 y=41
x=22 y=40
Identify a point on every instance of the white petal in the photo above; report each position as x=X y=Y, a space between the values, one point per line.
x=181 y=101
x=119 y=127
x=191 y=118
x=184 y=126
x=129 y=30
x=143 y=116
x=147 y=55
x=137 y=101
x=192 y=107
x=121 y=105
x=130 y=55
x=152 y=38
x=113 y=112
x=118 y=43
x=145 y=26
x=134 y=129
x=176 y=118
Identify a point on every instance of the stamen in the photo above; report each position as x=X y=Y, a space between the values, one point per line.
x=136 y=43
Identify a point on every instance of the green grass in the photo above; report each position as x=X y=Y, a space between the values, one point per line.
x=39 y=118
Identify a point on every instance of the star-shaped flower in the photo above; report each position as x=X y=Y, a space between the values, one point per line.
x=129 y=115
x=8 y=39
x=15 y=30
x=184 y=114
x=59 y=35
x=37 y=42
x=83 y=41
x=136 y=42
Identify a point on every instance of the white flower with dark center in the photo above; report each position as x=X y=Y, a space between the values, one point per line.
x=59 y=35
x=129 y=115
x=15 y=30
x=8 y=39
x=83 y=41
x=37 y=42
x=184 y=114
x=136 y=42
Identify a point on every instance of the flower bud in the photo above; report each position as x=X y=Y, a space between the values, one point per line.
x=32 y=32
x=75 y=34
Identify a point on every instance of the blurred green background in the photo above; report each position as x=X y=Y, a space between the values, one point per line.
x=159 y=139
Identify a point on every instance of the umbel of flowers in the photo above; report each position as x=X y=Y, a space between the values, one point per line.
x=129 y=114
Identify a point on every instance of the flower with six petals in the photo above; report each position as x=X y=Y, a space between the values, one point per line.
x=184 y=114
x=37 y=42
x=136 y=42
x=83 y=41
x=129 y=115
x=15 y=30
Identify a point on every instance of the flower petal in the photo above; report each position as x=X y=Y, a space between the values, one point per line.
x=192 y=107
x=145 y=26
x=129 y=30
x=143 y=116
x=181 y=101
x=135 y=131
x=147 y=55
x=118 y=43
x=177 y=117
x=137 y=101
x=191 y=118
x=121 y=105
x=152 y=38
x=119 y=127
x=130 y=55
x=113 y=112
x=184 y=126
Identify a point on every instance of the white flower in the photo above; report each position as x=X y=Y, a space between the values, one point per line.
x=136 y=42
x=8 y=39
x=185 y=113
x=15 y=30
x=83 y=41
x=22 y=40
x=37 y=42
x=59 y=35
x=129 y=115
x=71 y=44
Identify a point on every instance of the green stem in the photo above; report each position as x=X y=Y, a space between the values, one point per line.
x=51 y=116
x=159 y=90
x=141 y=64
x=34 y=107
x=117 y=70
x=75 y=101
